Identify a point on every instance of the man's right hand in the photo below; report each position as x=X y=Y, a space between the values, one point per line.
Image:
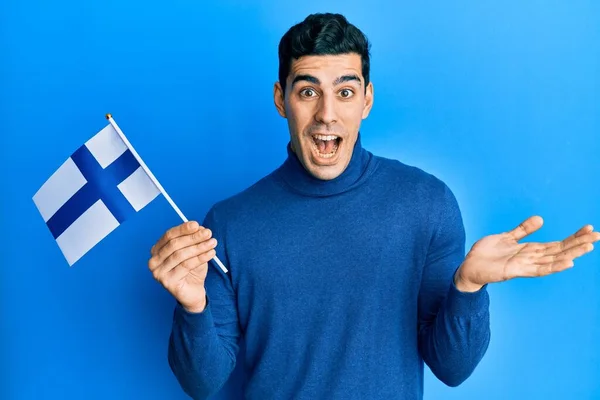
x=180 y=262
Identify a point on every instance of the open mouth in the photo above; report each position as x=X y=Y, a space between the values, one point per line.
x=326 y=146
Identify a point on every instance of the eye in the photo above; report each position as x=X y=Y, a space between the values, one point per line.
x=308 y=92
x=346 y=93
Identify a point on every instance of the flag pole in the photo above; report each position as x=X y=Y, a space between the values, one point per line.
x=153 y=178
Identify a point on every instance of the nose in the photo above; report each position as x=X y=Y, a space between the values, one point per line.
x=326 y=113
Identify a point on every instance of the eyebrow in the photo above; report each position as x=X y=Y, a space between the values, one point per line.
x=347 y=78
x=316 y=81
x=308 y=78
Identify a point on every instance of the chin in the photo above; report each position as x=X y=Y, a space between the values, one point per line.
x=325 y=173
x=327 y=168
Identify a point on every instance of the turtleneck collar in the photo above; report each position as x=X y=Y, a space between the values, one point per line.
x=293 y=173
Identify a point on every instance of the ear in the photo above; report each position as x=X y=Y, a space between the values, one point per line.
x=279 y=99
x=368 y=100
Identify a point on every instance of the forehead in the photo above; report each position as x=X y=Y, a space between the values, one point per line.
x=327 y=67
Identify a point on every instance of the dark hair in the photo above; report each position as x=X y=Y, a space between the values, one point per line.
x=322 y=34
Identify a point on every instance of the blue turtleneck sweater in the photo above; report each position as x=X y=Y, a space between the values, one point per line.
x=340 y=289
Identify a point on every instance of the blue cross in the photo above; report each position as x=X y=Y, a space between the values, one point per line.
x=101 y=185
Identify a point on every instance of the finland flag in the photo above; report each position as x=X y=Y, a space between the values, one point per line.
x=93 y=192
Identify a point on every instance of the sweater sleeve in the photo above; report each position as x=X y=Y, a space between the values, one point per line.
x=454 y=328
x=203 y=346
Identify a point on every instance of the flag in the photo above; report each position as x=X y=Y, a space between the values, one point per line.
x=94 y=191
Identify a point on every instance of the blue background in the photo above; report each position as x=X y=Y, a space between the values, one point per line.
x=500 y=99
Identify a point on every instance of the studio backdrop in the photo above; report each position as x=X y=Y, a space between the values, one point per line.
x=500 y=99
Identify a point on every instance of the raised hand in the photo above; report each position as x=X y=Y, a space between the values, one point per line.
x=501 y=257
x=179 y=262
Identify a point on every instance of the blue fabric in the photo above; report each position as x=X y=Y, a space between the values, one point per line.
x=341 y=289
x=101 y=185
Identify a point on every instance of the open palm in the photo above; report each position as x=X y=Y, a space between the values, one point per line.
x=500 y=257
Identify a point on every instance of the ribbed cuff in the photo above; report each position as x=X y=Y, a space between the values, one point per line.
x=467 y=303
x=199 y=323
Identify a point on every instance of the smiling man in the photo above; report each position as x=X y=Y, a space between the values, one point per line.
x=347 y=271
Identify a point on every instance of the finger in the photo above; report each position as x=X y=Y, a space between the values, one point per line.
x=585 y=229
x=527 y=227
x=582 y=236
x=175 y=232
x=190 y=266
x=569 y=254
x=185 y=259
x=176 y=244
x=186 y=253
x=554 y=267
x=181 y=242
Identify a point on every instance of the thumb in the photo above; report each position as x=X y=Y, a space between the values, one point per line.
x=527 y=227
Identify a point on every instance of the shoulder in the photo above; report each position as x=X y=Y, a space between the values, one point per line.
x=430 y=198
x=410 y=179
x=243 y=204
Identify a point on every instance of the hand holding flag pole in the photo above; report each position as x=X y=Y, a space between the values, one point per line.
x=154 y=180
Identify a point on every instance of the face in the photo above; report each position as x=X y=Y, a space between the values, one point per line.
x=324 y=103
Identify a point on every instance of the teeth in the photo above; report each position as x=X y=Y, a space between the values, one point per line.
x=326 y=137
x=327 y=155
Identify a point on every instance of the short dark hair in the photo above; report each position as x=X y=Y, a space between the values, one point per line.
x=322 y=34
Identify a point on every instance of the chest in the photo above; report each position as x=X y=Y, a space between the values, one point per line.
x=327 y=251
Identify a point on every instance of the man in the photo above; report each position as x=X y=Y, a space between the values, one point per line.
x=347 y=270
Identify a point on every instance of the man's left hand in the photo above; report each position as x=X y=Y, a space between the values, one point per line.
x=501 y=257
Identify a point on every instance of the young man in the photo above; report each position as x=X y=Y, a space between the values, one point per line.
x=346 y=270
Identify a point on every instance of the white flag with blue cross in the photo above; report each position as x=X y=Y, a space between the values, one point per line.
x=94 y=191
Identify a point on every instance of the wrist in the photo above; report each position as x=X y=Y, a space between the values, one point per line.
x=463 y=284
x=196 y=308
